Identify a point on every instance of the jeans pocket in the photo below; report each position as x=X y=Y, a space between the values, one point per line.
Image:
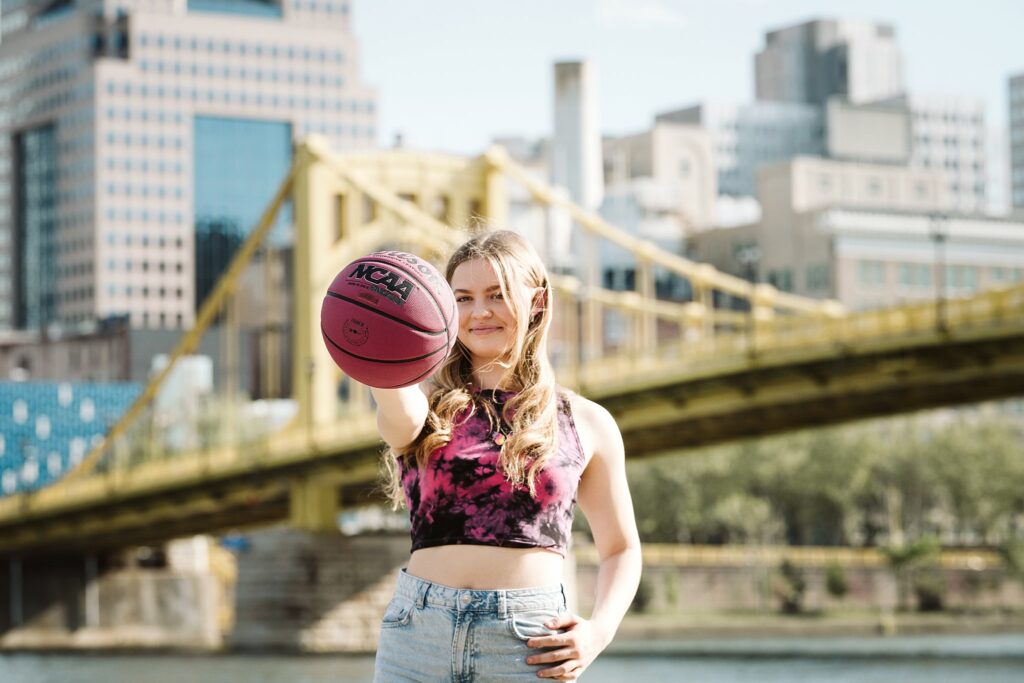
x=397 y=613
x=530 y=623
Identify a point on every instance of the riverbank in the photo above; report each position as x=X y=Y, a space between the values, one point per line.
x=907 y=659
x=639 y=628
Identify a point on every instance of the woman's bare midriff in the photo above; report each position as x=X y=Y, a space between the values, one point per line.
x=482 y=567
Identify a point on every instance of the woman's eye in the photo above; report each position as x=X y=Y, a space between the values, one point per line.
x=497 y=296
x=460 y=299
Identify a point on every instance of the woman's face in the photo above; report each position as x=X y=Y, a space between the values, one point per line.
x=487 y=326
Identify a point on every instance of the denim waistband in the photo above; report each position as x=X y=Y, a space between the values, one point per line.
x=500 y=601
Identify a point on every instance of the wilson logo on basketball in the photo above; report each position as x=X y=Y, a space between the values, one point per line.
x=383 y=277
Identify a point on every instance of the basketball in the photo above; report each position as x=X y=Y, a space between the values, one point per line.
x=389 y=319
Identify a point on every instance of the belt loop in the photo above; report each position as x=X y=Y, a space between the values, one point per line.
x=421 y=594
x=502 y=604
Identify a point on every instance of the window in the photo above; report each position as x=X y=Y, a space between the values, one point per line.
x=783 y=279
x=962 y=277
x=924 y=275
x=872 y=272
x=818 y=277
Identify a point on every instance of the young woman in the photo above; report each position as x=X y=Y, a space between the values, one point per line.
x=491 y=456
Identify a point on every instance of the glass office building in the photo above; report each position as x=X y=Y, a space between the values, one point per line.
x=170 y=125
x=239 y=164
x=35 y=235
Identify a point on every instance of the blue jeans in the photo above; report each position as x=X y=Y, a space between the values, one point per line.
x=432 y=633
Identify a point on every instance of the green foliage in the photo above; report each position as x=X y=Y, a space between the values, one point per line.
x=1012 y=554
x=916 y=566
x=644 y=595
x=921 y=552
x=929 y=588
x=789 y=587
x=672 y=589
x=835 y=581
x=869 y=484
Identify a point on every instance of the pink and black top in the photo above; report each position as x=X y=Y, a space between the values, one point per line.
x=463 y=497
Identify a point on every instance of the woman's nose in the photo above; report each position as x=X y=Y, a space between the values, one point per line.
x=481 y=310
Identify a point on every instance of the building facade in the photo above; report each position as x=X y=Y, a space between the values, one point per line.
x=676 y=162
x=141 y=139
x=1016 y=118
x=748 y=136
x=948 y=133
x=869 y=236
x=835 y=89
x=816 y=60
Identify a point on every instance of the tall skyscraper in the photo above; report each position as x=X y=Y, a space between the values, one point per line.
x=813 y=61
x=141 y=139
x=1016 y=100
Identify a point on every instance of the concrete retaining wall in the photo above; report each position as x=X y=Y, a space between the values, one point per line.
x=58 y=607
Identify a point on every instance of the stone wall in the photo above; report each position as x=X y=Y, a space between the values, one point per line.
x=314 y=592
x=684 y=582
x=319 y=592
x=61 y=605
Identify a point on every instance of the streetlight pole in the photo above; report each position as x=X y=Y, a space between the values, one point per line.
x=939 y=234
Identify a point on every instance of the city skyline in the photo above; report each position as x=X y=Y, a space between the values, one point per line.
x=504 y=77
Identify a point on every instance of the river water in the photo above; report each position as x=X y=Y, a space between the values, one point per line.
x=902 y=659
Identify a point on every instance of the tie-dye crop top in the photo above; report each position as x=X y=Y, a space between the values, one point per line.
x=463 y=498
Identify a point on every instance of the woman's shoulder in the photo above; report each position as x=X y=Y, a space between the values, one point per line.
x=594 y=424
x=584 y=408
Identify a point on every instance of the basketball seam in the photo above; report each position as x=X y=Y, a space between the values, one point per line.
x=422 y=284
x=417 y=379
x=377 y=360
x=433 y=333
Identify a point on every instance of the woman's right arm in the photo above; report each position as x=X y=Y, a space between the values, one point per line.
x=401 y=414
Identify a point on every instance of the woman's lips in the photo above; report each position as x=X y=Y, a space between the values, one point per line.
x=484 y=330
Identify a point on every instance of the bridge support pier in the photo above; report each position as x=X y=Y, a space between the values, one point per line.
x=93 y=600
x=17 y=606
x=92 y=591
x=314 y=504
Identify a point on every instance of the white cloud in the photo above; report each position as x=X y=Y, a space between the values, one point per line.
x=639 y=13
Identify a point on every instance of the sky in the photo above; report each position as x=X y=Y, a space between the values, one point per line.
x=451 y=75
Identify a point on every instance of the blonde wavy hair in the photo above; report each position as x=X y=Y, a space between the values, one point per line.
x=532 y=412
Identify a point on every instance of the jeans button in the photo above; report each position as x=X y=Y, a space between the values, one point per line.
x=465 y=599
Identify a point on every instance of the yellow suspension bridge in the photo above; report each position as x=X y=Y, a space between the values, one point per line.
x=688 y=374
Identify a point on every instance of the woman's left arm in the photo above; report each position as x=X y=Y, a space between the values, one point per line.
x=604 y=498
